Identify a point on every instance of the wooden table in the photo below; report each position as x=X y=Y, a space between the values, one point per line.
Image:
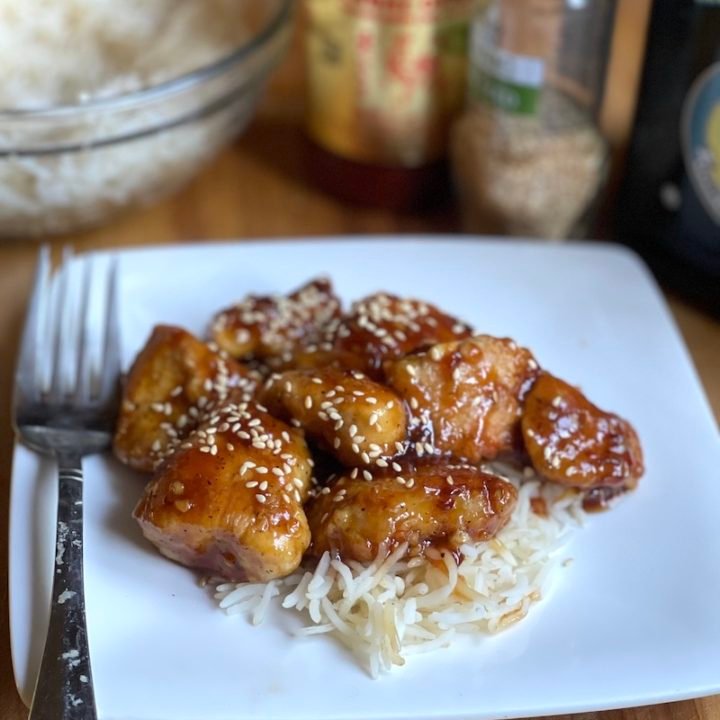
x=258 y=188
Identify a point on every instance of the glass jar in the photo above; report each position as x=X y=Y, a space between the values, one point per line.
x=386 y=80
x=528 y=156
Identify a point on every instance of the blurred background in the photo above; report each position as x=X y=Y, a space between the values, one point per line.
x=134 y=123
x=544 y=119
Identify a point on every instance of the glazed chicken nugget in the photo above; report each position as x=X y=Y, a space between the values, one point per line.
x=384 y=327
x=429 y=505
x=229 y=500
x=572 y=442
x=355 y=419
x=173 y=382
x=275 y=327
x=466 y=396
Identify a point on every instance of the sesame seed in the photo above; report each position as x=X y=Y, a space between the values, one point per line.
x=262 y=470
x=410 y=482
x=352 y=431
x=254 y=422
x=317 y=381
x=371 y=400
x=336 y=443
x=373 y=418
x=156 y=446
x=429 y=448
x=358 y=393
x=355 y=448
x=414 y=403
x=325 y=491
x=263 y=485
x=390 y=404
x=295 y=422
x=286 y=497
x=288 y=386
x=365 y=458
x=399 y=447
x=449 y=480
x=261 y=499
x=251 y=484
x=298 y=497
x=419 y=449
x=360 y=439
x=367 y=475
x=411 y=370
x=338 y=424
x=205 y=449
x=176 y=391
x=381 y=463
x=277 y=471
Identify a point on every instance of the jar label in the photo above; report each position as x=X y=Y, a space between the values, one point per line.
x=701 y=139
x=386 y=77
x=508 y=81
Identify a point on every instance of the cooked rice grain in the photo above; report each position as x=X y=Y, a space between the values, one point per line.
x=396 y=607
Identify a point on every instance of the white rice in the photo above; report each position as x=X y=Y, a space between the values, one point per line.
x=395 y=607
x=70 y=52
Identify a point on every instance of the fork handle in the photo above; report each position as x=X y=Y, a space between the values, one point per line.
x=64 y=689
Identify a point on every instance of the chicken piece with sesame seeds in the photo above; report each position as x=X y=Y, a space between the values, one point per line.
x=230 y=499
x=384 y=327
x=353 y=418
x=466 y=397
x=275 y=327
x=427 y=505
x=173 y=382
x=572 y=442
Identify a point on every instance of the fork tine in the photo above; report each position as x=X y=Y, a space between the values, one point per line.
x=83 y=378
x=110 y=365
x=26 y=372
x=61 y=315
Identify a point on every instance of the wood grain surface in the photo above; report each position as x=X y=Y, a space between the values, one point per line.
x=258 y=188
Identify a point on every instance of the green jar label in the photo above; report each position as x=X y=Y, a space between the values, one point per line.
x=506 y=81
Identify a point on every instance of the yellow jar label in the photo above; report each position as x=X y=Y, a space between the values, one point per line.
x=386 y=77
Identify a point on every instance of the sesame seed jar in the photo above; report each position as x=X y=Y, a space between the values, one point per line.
x=528 y=157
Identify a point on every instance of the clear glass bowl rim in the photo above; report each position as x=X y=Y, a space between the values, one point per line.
x=154 y=93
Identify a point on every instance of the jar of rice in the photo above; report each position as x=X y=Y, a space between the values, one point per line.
x=528 y=157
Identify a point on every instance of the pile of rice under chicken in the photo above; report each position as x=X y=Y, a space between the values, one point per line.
x=387 y=472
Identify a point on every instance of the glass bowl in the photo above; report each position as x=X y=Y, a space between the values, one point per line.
x=70 y=167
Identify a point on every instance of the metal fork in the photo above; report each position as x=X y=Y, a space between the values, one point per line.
x=66 y=409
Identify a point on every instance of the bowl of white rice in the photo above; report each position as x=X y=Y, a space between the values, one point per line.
x=107 y=104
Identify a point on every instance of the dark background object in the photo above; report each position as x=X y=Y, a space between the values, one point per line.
x=660 y=212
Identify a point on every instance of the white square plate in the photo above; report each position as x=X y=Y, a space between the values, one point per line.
x=633 y=620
